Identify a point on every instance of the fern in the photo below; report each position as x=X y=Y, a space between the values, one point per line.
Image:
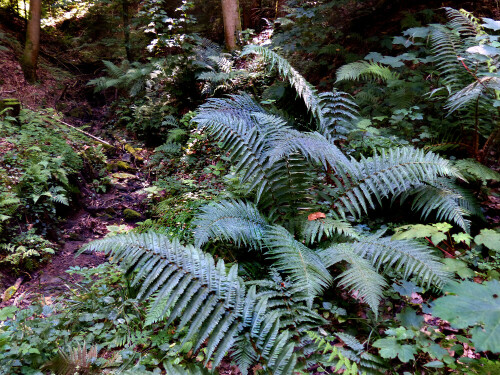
x=79 y=360
x=342 y=363
x=302 y=264
x=446 y=200
x=304 y=89
x=368 y=255
x=365 y=70
x=237 y=221
x=187 y=284
x=391 y=172
x=473 y=170
x=314 y=230
x=361 y=277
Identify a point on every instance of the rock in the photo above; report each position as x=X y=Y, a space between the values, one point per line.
x=131 y=215
x=123 y=176
x=118 y=165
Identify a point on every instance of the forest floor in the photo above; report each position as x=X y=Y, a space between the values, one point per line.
x=90 y=214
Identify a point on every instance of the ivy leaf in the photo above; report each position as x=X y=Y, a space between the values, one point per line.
x=390 y=348
x=472 y=304
x=488 y=238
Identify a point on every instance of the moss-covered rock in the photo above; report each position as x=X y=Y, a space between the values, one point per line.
x=118 y=165
x=131 y=215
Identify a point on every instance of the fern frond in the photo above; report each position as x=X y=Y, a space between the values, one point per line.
x=338 y=109
x=300 y=263
x=446 y=49
x=472 y=93
x=314 y=146
x=391 y=172
x=207 y=297
x=411 y=258
x=366 y=70
x=244 y=129
x=237 y=221
x=443 y=198
x=304 y=89
x=473 y=170
x=462 y=21
x=179 y=370
x=360 y=276
x=314 y=230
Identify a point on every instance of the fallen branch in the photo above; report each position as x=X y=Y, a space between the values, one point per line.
x=84 y=132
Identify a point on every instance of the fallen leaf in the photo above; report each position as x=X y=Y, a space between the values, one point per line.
x=316 y=215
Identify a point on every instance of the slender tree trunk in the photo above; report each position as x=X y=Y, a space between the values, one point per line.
x=232 y=22
x=29 y=61
x=126 y=28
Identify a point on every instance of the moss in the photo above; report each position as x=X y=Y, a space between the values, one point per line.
x=131 y=215
x=118 y=165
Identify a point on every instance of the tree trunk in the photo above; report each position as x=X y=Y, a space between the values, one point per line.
x=232 y=22
x=29 y=60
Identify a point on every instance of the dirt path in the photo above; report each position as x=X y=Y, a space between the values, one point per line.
x=92 y=214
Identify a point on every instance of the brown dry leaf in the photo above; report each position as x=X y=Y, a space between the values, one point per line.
x=316 y=215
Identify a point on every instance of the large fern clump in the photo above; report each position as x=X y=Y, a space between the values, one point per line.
x=210 y=301
x=301 y=195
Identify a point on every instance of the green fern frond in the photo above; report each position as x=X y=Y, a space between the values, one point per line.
x=335 y=356
x=338 y=109
x=472 y=93
x=446 y=49
x=314 y=146
x=360 y=277
x=207 y=297
x=169 y=148
x=204 y=295
x=464 y=22
x=445 y=200
x=366 y=70
x=237 y=221
x=473 y=170
x=390 y=173
x=300 y=263
x=314 y=230
x=304 y=89
x=411 y=258
x=179 y=370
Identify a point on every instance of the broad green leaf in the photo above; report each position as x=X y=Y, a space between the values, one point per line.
x=407 y=288
x=472 y=304
x=390 y=348
x=488 y=238
x=409 y=318
x=462 y=237
x=7 y=312
x=436 y=232
x=459 y=267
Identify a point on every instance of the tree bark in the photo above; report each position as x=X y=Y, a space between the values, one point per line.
x=29 y=61
x=232 y=22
